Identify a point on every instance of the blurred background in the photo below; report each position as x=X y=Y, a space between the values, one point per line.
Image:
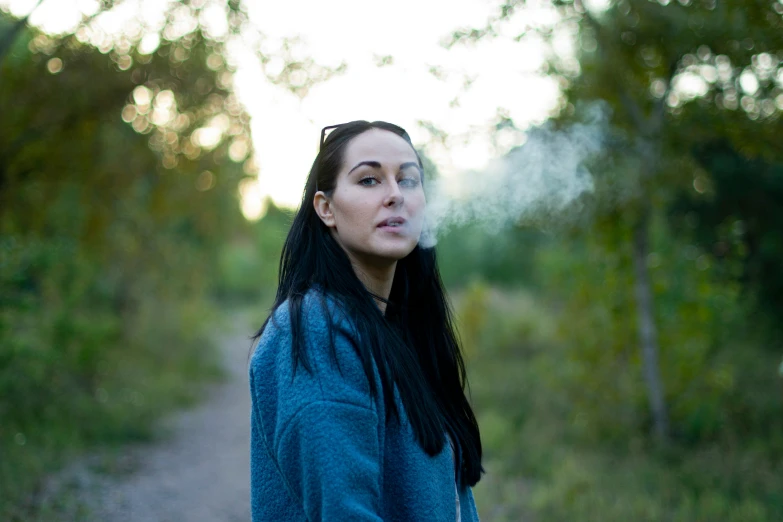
x=624 y=350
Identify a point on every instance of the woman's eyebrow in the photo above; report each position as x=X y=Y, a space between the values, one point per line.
x=373 y=164
x=410 y=164
x=377 y=165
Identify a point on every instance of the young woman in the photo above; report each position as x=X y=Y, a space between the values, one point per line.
x=357 y=381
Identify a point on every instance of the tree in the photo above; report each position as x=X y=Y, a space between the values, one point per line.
x=650 y=60
x=120 y=160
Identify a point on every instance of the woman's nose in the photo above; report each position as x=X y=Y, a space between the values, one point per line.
x=394 y=196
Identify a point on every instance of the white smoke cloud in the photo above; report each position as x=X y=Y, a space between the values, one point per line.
x=537 y=181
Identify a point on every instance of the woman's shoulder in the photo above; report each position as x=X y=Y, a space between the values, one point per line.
x=318 y=319
x=327 y=349
x=315 y=309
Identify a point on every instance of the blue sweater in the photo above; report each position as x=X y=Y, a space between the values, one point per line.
x=321 y=449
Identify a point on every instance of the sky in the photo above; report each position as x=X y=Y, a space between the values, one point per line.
x=286 y=129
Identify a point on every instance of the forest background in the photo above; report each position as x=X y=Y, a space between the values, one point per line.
x=625 y=363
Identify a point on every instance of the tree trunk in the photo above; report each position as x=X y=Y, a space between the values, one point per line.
x=649 y=128
x=648 y=335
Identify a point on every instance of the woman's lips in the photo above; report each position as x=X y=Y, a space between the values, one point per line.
x=395 y=220
x=393 y=230
x=392 y=224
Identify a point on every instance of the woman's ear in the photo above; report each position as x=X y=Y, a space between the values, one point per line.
x=323 y=207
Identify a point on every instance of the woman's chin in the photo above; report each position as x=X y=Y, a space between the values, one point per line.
x=394 y=252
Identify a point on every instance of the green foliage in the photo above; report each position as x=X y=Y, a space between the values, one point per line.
x=247 y=269
x=693 y=174
x=738 y=214
x=636 y=56
x=542 y=465
x=704 y=330
x=112 y=215
x=502 y=257
x=77 y=371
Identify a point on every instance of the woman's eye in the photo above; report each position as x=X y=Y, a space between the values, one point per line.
x=368 y=182
x=409 y=182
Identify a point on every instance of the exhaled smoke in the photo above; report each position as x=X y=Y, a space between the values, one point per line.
x=537 y=181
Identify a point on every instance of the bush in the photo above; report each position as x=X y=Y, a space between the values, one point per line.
x=708 y=342
x=80 y=367
x=544 y=464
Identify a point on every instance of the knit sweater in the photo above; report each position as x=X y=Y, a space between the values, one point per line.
x=322 y=448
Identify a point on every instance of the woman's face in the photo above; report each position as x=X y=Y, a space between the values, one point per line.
x=376 y=209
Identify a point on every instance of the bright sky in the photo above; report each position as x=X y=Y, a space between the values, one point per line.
x=286 y=130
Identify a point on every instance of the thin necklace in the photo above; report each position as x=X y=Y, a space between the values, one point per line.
x=379 y=298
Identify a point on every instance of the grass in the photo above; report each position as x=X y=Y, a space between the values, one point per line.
x=540 y=465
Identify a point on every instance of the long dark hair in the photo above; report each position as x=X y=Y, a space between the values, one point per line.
x=413 y=345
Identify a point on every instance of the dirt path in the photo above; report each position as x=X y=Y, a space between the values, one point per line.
x=200 y=472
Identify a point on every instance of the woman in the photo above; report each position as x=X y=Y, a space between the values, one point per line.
x=357 y=381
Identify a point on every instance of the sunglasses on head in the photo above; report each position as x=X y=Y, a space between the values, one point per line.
x=324 y=132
